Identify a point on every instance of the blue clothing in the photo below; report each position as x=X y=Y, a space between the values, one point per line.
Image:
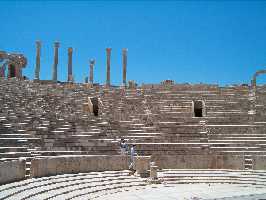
x=123 y=148
x=132 y=153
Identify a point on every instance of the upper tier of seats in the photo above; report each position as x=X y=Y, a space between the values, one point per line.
x=51 y=119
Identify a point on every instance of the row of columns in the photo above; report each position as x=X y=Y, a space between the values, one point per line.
x=91 y=64
x=108 y=63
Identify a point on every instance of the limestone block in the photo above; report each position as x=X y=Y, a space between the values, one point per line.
x=259 y=162
x=204 y=161
x=142 y=165
x=153 y=172
x=232 y=162
x=12 y=171
x=46 y=166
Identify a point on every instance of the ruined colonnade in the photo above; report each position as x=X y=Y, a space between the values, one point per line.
x=70 y=70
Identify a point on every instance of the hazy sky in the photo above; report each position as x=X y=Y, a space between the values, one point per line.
x=209 y=42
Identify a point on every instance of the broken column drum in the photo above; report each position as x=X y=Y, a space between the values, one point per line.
x=124 y=52
x=69 y=73
x=108 y=56
x=38 y=62
x=92 y=62
x=56 y=46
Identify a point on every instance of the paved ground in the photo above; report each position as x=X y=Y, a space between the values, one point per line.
x=192 y=192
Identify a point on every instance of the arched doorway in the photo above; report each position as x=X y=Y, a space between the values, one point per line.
x=198 y=108
x=95 y=105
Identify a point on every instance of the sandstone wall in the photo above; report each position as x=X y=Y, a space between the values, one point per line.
x=46 y=166
x=199 y=161
x=12 y=171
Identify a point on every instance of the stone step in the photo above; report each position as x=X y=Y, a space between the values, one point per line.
x=67 y=185
x=12 y=135
x=12 y=149
x=15 y=154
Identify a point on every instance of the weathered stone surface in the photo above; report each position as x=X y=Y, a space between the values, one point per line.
x=259 y=162
x=199 y=161
x=47 y=166
x=52 y=119
x=142 y=165
x=153 y=172
x=12 y=171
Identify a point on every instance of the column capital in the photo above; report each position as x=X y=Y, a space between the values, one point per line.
x=56 y=44
x=70 y=49
x=108 y=49
x=92 y=61
x=38 y=43
x=124 y=50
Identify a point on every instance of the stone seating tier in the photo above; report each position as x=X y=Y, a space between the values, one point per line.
x=50 y=117
x=97 y=185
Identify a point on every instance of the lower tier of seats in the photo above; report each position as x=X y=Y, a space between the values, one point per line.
x=99 y=185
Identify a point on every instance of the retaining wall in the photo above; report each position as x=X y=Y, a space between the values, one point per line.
x=46 y=166
x=207 y=161
x=12 y=171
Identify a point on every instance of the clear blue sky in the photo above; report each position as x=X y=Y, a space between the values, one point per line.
x=210 y=42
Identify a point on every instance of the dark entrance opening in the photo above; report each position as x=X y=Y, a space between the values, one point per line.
x=12 y=72
x=198 y=109
x=95 y=106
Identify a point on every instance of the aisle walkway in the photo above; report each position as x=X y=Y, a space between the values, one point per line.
x=192 y=192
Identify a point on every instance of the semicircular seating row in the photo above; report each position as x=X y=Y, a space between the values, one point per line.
x=98 y=184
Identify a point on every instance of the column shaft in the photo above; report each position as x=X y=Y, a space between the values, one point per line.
x=38 y=62
x=70 y=75
x=124 y=52
x=17 y=72
x=56 y=46
x=108 y=54
x=9 y=71
x=92 y=62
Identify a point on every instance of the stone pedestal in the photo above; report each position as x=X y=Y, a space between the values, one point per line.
x=153 y=172
x=153 y=179
x=142 y=165
x=132 y=84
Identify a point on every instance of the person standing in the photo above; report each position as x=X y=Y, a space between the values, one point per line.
x=133 y=153
x=123 y=147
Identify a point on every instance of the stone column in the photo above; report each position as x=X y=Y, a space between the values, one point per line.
x=56 y=46
x=92 y=62
x=124 y=53
x=9 y=71
x=38 y=58
x=69 y=73
x=17 y=72
x=108 y=54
